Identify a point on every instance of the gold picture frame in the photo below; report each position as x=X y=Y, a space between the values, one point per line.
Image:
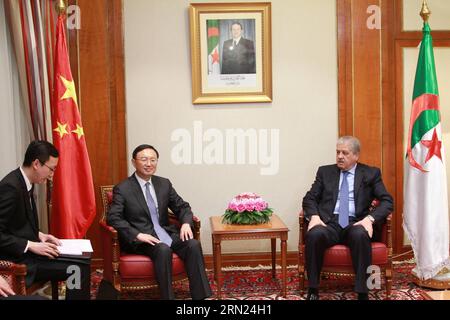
x=231 y=52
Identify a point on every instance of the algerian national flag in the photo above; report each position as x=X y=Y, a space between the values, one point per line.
x=425 y=216
x=213 y=46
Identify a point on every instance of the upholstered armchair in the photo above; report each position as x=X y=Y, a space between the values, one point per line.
x=132 y=272
x=15 y=274
x=338 y=262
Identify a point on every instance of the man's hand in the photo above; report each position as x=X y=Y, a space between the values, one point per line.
x=49 y=238
x=367 y=224
x=5 y=289
x=45 y=249
x=315 y=221
x=143 y=237
x=186 y=232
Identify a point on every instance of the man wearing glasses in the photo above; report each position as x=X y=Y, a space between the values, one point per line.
x=139 y=212
x=20 y=238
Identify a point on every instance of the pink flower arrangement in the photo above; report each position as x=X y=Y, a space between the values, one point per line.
x=247 y=208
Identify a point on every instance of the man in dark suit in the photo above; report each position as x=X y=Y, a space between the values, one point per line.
x=20 y=238
x=139 y=212
x=337 y=209
x=238 y=55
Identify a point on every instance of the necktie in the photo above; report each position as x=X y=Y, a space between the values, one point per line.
x=343 y=201
x=160 y=232
x=235 y=43
x=31 y=195
x=33 y=206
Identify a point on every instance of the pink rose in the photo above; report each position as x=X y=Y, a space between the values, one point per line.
x=249 y=206
x=259 y=206
x=232 y=206
x=241 y=207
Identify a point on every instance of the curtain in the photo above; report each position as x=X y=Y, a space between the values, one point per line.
x=31 y=28
x=13 y=120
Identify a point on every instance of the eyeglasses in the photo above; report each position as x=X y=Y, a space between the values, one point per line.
x=51 y=169
x=145 y=160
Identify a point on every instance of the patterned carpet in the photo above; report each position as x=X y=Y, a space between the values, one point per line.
x=257 y=284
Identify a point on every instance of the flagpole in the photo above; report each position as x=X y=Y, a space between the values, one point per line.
x=60 y=7
x=425 y=12
x=442 y=280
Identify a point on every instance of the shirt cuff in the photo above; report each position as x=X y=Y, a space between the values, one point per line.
x=26 y=248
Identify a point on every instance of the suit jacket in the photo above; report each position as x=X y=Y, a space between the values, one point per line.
x=240 y=59
x=322 y=197
x=18 y=217
x=129 y=213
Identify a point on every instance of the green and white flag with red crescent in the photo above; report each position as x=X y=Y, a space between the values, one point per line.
x=425 y=216
x=213 y=46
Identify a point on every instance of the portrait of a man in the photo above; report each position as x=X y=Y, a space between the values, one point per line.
x=231 y=52
x=238 y=53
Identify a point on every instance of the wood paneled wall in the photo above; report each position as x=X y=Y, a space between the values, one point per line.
x=97 y=60
x=370 y=64
x=366 y=92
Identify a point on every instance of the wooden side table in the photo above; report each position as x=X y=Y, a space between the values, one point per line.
x=272 y=230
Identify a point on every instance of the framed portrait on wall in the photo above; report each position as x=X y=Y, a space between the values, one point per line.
x=231 y=52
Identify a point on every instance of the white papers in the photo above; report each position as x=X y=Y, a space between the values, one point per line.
x=75 y=246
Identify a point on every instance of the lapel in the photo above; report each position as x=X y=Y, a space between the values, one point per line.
x=30 y=213
x=359 y=175
x=137 y=191
x=335 y=175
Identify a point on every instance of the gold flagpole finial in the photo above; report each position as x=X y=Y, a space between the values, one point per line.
x=60 y=7
x=425 y=12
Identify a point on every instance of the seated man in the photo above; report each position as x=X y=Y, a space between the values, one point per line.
x=139 y=212
x=337 y=209
x=20 y=238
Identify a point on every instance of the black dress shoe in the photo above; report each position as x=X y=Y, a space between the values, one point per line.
x=363 y=296
x=312 y=296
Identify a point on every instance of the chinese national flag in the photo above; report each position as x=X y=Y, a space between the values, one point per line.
x=73 y=198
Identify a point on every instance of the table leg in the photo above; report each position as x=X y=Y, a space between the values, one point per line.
x=218 y=268
x=214 y=259
x=283 y=265
x=274 y=256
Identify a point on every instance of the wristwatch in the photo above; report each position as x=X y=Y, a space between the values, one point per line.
x=371 y=218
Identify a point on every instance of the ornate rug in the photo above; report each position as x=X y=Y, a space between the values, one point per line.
x=245 y=283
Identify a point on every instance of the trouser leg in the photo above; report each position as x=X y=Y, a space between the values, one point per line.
x=190 y=252
x=357 y=238
x=161 y=255
x=318 y=239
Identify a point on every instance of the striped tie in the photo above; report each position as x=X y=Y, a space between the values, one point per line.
x=343 y=201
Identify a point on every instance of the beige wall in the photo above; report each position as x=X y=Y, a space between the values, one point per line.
x=303 y=112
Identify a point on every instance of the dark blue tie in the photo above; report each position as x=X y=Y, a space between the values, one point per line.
x=160 y=232
x=343 y=201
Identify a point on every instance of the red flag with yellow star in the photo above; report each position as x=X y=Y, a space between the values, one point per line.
x=73 y=198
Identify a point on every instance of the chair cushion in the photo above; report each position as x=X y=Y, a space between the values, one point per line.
x=134 y=266
x=339 y=255
x=109 y=197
